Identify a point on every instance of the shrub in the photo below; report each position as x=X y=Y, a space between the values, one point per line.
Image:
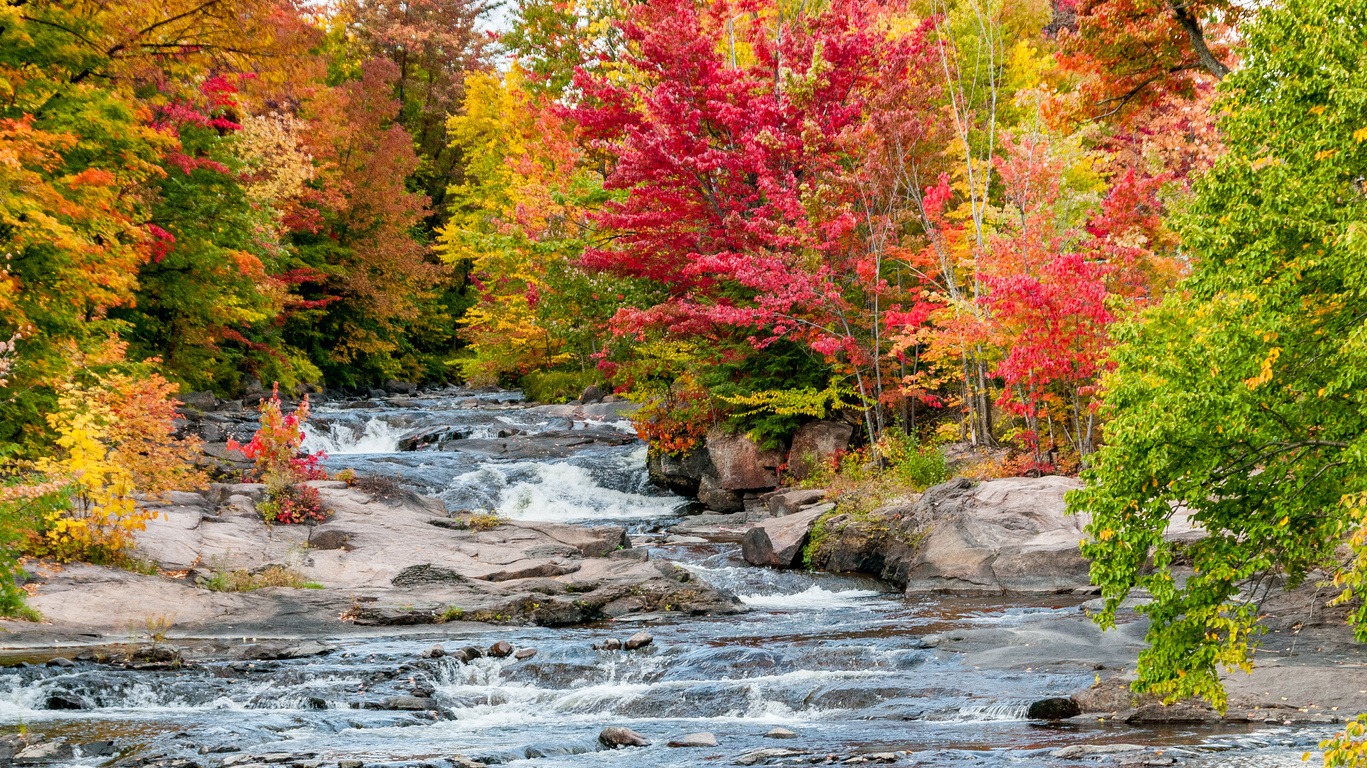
x=558 y=386
x=283 y=467
x=247 y=581
x=450 y=613
x=116 y=438
x=484 y=522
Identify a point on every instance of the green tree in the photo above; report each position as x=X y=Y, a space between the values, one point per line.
x=1240 y=399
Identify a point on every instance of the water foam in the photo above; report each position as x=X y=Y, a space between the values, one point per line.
x=339 y=438
x=813 y=598
x=562 y=492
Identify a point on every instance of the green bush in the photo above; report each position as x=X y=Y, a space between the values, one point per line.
x=558 y=386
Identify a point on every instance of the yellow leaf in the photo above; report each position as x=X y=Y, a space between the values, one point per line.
x=1360 y=135
x=1325 y=154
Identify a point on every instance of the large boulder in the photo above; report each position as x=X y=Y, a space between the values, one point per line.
x=778 y=542
x=681 y=474
x=816 y=443
x=716 y=498
x=1011 y=535
x=740 y=464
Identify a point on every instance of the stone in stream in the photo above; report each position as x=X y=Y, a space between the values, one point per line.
x=610 y=644
x=407 y=704
x=470 y=653
x=58 y=661
x=523 y=654
x=700 y=739
x=1056 y=708
x=781 y=733
x=1094 y=750
x=639 y=640
x=615 y=736
x=758 y=756
x=65 y=701
x=501 y=650
x=44 y=752
x=778 y=542
x=435 y=652
x=461 y=761
x=350 y=764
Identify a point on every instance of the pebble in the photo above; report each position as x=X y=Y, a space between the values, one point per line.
x=639 y=640
x=700 y=739
x=523 y=654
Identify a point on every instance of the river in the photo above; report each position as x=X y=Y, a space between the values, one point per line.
x=855 y=670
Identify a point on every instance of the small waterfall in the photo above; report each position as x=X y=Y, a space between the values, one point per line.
x=813 y=598
x=1001 y=711
x=376 y=435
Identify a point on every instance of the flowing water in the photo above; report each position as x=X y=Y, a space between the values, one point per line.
x=843 y=662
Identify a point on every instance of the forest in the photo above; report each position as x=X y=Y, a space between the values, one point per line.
x=1120 y=239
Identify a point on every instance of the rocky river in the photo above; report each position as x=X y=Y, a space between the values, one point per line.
x=802 y=668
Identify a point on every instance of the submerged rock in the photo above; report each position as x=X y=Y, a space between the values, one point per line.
x=781 y=733
x=700 y=739
x=615 y=736
x=610 y=644
x=639 y=640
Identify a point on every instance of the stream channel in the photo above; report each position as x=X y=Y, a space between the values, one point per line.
x=853 y=668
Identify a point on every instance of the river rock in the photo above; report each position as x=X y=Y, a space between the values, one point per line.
x=1056 y=708
x=435 y=652
x=1181 y=713
x=781 y=733
x=501 y=650
x=407 y=703
x=65 y=701
x=522 y=654
x=1094 y=750
x=815 y=444
x=759 y=756
x=639 y=640
x=281 y=650
x=43 y=752
x=610 y=644
x=615 y=736
x=350 y=764
x=788 y=502
x=717 y=498
x=700 y=739
x=59 y=661
x=680 y=474
x=740 y=463
x=778 y=542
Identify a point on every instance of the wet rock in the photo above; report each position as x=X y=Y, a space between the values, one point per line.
x=65 y=701
x=611 y=644
x=407 y=704
x=47 y=751
x=639 y=640
x=154 y=657
x=740 y=463
x=788 y=502
x=58 y=661
x=435 y=652
x=278 y=651
x=762 y=756
x=616 y=736
x=470 y=653
x=1056 y=708
x=815 y=444
x=781 y=733
x=350 y=764
x=98 y=749
x=522 y=654
x=778 y=542
x=501 y=650
x=1078 y=751
x=460 y=761
x=700 y=739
